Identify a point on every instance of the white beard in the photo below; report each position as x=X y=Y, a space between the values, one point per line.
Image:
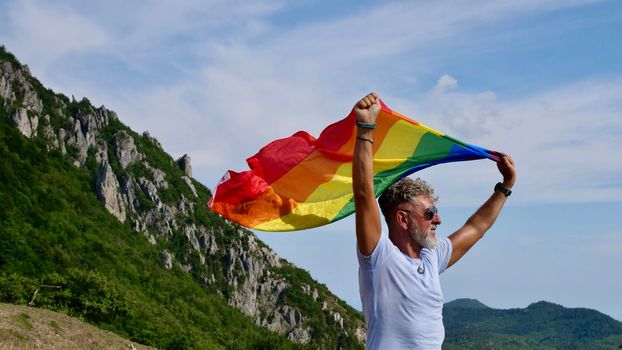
x=426 y=239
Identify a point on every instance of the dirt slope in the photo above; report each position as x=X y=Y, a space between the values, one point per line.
x=23 y=327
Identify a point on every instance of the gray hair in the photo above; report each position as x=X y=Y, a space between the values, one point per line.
x=404 y=191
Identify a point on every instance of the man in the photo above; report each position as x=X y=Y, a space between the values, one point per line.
x=399 y=276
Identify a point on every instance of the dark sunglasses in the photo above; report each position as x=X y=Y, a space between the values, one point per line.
x=429 y=213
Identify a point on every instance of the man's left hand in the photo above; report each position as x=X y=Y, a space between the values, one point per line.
x=508 y=170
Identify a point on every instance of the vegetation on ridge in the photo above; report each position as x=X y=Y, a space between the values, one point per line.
x=55 y=232
x=472 y=325
x=62 y=250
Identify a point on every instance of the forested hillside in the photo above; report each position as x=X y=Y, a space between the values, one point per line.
x=99 y=222
x=472 y=325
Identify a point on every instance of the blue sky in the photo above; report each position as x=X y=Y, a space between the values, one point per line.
x=540 y=80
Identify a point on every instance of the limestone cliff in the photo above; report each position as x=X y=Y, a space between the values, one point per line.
x=143 y=187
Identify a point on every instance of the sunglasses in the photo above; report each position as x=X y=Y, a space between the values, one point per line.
x=428 y=214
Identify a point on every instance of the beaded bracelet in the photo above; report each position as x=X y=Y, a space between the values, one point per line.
x=365 y=125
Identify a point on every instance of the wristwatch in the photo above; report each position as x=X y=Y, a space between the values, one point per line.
x=500 y=188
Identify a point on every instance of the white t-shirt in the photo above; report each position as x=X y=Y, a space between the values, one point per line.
x=403 y=308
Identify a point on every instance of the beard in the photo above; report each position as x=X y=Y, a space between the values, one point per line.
x=424 y=238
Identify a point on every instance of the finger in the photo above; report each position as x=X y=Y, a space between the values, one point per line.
x=363 y=103
x=506 y=159
x=368 y=100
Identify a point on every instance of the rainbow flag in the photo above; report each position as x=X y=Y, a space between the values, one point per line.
x=302 y=182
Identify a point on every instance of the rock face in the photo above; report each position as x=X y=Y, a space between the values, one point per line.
x=25 y=117
x=283 y=319
x=130 y=198
x=184 y=164
x=92 y=122
x=6 y=90
x=250 y=263
x=300 y=335
x=108 y=191
x=12 y=78
x=168 y=208
x=167 y=259
x=25 y=124
x=188 y=183
x=77 y=140
x=125 y=149
x=190 y=233
x=207 y=242
x=151 y=139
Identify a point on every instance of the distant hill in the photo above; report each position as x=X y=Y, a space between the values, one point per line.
x=470 y=324
x=465 y=304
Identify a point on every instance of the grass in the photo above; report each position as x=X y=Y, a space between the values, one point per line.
x=55 y=326
x=23 y=327
x=23 y=319
x=9 y=336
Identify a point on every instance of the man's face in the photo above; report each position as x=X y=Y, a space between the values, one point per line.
x=425 y=219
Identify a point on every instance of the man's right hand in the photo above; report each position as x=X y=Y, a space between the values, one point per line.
x=367 y=109
x=367 y=215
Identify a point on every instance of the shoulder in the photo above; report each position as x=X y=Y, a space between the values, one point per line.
x=444 y=244
x=384 y=249
x=439 y=255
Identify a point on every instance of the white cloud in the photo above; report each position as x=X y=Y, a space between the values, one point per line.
x=248 y=82
x=143 y=28
x=563 y=141
x=300 y=79
x=444 y=83
x=566 y=138
x=43 y=33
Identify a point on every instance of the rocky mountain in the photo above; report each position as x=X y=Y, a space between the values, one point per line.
x=61 y=155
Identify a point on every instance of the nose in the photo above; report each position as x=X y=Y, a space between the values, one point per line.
x=436 y=220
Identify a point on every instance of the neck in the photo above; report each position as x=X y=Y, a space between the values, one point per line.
x=405 y=244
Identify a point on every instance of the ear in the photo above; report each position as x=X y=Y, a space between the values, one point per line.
x=401 y=217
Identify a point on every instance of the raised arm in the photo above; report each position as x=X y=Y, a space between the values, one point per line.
x=367 y=216
x=475 y=227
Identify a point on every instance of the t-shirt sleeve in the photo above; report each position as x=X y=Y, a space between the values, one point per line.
x=383 y=249
x=443 y=252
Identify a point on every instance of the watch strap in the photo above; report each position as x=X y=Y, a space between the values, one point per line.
x=500 y=188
